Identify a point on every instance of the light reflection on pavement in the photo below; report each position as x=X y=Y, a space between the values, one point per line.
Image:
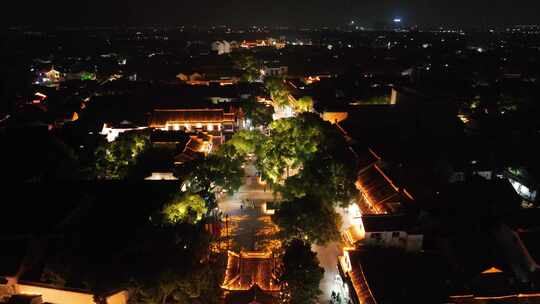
x=249 y=227
x=328 y=257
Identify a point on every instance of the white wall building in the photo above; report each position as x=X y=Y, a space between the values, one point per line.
x=391 y=231
x=275 y=71
x=221 y=47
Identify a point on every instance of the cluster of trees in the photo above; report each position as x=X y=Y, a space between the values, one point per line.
x=312 y=148
x=179 y=271
x=184 y=207
x=308 y=162
x=304 y=104
x=247 y=63
x=221 y=171
x=155 y=253
x=309 y=218
x=281 y=96
x=499 y=104
x=46 y=156
x=300 y=274
x=184 y=215
x=159 y=264
x=278 y=90
x=117 y=159
x=260 y=114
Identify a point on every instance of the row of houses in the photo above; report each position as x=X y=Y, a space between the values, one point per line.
x=432 y=227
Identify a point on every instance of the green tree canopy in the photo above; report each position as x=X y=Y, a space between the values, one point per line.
x=172 y=267
x=249 y=64
x=304 y=104
x=278 y=91
x=260 y=114
x=291 y=142
x=300 y=274
x=310 y=218
x=317 y=150
x=114 y=160
x=326 y=176
x=242 y=144
x=206 y=174
x=184 y=207
x=219 y=171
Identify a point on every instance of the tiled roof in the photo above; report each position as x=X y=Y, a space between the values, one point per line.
x=376 y=186
x=161 y=117
x=246 y=269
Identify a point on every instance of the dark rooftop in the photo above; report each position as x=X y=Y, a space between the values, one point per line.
x=376 y=223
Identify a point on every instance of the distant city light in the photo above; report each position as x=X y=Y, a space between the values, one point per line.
x=397 y=20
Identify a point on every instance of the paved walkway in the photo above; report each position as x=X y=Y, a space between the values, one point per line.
x=328 y=258
x=249 y=227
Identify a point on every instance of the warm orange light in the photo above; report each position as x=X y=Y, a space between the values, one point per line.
x=387 y=178
x=492 y=270
x=38 y=94
x=407 y=194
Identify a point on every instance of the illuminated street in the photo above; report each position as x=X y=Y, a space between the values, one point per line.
x=249 y=227
x=328 y=257
x=216 y=147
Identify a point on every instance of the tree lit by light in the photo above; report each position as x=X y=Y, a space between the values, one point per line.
x=184 y=208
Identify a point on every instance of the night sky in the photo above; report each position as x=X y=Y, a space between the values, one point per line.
x=268 y=12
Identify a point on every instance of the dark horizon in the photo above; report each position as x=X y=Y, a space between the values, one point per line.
x=428 y=13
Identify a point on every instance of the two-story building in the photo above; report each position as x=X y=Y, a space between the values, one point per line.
x=215 y=122
x=398 y=231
